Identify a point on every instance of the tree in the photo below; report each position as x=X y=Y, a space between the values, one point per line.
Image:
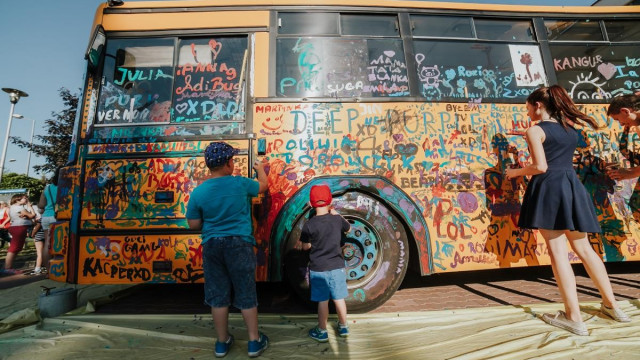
x=20 y=181
x=55 y=145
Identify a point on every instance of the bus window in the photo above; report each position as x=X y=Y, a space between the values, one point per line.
x=343 y=66
x=507 y=30
x=623 y=30
x=369 y=25
x=596 y=72
x=137 y=82
x=308 y=23
x=454 y=70
x=208 y=84
x=96 y=48
x=573 y=30
x=442 y=26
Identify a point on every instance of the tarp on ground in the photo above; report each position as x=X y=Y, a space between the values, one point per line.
x=504 y=332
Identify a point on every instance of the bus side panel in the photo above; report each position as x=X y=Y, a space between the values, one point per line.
x=142 y=197
x=67 y=188
x=449 y=159
x=59 y=249
x=110 y=259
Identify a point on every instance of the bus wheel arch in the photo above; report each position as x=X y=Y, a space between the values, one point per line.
x=378 y=245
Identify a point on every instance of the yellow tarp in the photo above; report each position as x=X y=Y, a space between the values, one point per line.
x=504 y=332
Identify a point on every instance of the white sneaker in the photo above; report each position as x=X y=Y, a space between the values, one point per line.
x=37 y=271
x=615 y=313
x=560 y=320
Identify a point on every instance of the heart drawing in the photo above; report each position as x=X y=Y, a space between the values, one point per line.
x=607 y=70
x=181 y=107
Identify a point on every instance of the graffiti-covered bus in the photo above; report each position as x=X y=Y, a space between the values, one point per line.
x=409 y=111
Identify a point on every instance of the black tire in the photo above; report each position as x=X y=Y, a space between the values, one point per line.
x=376 y=253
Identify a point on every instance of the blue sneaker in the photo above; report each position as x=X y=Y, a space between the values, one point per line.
x=318 y=334
x=257 y=347
x=222 y=348
x=343 y=330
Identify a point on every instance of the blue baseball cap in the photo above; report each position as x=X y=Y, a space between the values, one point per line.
x=218 y=154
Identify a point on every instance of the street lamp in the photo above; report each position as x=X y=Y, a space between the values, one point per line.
x=33 y=128
x=14 y=96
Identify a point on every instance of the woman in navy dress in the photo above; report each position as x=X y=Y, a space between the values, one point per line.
x=557 y=204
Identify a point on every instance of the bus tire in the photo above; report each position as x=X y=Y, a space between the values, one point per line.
x=376 y=252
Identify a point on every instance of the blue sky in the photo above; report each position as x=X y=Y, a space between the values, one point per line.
x=43 y=44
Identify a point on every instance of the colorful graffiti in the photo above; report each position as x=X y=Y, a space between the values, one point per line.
x=140 y=258
x=447 y=161
x=450 y=160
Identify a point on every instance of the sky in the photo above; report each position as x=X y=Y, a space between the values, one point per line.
x=43 y=44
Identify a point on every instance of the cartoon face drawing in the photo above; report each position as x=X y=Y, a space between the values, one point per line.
x=429 y=75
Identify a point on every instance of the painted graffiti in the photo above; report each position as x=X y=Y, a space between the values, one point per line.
x=449 y=158
x=123 y=259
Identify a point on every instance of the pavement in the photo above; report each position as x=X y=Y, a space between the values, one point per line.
x=493 y=314
x=486 y=288
x=24 y=263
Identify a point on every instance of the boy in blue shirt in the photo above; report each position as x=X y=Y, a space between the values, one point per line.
x=327 y=275
x=221 y=208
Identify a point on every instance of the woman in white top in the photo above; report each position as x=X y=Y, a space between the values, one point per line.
x=21 y=215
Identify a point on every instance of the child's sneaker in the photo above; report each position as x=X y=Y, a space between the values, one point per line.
x=37 y=271
x=257 y=347
x=343 y=330
x=222 y=348
x=318 y=334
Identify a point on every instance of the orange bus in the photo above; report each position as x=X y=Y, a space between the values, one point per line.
x=410 y=111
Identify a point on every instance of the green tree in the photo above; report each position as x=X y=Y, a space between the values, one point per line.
x=55 y=145
x=20 y=181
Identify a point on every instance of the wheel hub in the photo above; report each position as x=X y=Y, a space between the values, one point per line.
x=360 y=250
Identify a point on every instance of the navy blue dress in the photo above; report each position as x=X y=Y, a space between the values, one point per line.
x=557 y=200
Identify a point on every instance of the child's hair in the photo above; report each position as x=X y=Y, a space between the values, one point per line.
x=17 y=197
x=560 y=106
x=625 y=101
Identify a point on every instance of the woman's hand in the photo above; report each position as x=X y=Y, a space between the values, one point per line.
x=511 y=173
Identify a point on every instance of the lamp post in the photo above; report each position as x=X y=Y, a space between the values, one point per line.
x=14 y=96
x=33 y=128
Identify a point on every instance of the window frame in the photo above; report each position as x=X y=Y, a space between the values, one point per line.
x=244 y=124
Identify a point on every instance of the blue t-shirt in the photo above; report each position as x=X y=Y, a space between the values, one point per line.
x=224 y=206
x=50 y=193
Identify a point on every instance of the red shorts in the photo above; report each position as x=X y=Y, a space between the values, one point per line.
x=18 y=236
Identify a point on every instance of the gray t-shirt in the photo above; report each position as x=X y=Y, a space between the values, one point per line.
x=16 y=220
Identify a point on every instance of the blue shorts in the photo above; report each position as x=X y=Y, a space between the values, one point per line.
x=327 y=285
x=47 y=221
x=229 y=261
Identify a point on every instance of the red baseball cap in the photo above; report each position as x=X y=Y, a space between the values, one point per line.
x=320 y=196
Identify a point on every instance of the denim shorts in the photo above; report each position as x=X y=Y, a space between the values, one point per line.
x=47 y=221
x=327 y=285
x=229 y=262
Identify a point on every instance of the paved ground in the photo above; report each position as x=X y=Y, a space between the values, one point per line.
x=518 y=286
x=438 y=292
x=504 y=287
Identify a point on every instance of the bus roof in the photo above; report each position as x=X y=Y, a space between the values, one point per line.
x=375 y=3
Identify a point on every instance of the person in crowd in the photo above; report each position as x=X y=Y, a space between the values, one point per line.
x=47 y=205
x=21 y=214
x=322 y=234
x=626 y=110
x=38 y=239
x=5 y=222
x=221 y=208
x=558 y=205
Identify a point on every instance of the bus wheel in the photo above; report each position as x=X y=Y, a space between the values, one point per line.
x=376 y=252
